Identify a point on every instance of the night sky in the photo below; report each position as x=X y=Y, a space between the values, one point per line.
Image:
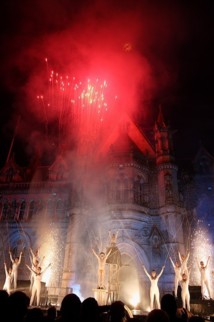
x=160 y=52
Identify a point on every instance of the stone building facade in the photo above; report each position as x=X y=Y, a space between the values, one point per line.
x=131 y=187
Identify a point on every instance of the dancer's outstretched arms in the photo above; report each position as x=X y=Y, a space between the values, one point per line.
x=145 y=270
x=30 y=269
x=161 y=272
x=208 y=259
x=11 y=258
x=45 y=269
x=173 y=264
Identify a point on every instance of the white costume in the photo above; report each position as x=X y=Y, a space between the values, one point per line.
x=184 y=260
x=177 y=270
x=185 y=295
x=15 y=265
x=36 y=289
x=8 y=280
x=35 y=261
x=154 y=290
x=204 y=278
x=102 y=257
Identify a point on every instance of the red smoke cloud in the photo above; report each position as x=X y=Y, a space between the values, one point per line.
x=126 y=43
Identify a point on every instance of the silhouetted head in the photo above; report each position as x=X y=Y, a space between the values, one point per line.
x=169 y=305
x=71 y=308
x=52 y=313
x=202 y=263
x=3 y=301
x=18 y=303
x=34 y=315
x=90 y=310
x=117 y=311
x=157 y=315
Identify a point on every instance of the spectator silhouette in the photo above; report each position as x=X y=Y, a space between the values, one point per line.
x=90 y=310
x=157 y=315
x=34 y=315
x=117 y=311
x=18 y=303
x=3 y=304
x=70 y=309
x=51 y=314
x=169 y=305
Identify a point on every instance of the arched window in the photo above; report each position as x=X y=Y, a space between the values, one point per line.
x=14 y=208
x=32 y=209
x=5 y=210
x=22 y=210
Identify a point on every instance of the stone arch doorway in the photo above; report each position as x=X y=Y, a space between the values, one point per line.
x=132 y=290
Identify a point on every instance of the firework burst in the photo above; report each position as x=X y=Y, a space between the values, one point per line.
x=81 y=108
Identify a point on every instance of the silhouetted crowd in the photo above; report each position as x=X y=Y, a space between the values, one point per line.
x=15 y=307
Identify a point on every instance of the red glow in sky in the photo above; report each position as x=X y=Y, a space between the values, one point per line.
x=149 y=52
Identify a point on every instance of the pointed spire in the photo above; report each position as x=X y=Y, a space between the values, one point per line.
x=160 y=119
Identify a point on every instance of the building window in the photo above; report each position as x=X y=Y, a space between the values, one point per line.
x=32 y=209
x=14 y=209
x=22 y=210
x=5 y=210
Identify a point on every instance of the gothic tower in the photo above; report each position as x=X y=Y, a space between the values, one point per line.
x=169 y=204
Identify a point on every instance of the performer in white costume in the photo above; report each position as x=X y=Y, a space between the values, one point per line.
x=15 y=264
x=185 y=295
x=177 y=270
x=102 y=257
x=36 y=289
x=204 y=278
x=154 y=290
x=113 y=238
x=8 y=279
x=184 y=259
x=35 y=262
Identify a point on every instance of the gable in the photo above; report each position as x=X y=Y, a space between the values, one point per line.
x=134 y=134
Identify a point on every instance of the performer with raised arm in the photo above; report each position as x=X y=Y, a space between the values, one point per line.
x=15 y=264
x=8 y=279
x=185 y=295
x=154 y=290
x=113 y=238
x=36 y=289
x=102 y=257
x=183 y=260
x=204 y=278
x=177 y=270
x=35 y=262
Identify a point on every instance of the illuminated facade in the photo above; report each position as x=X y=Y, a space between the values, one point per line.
x=132 y=187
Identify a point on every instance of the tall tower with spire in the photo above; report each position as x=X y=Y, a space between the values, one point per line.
x=169 y=205
x=167 y=169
